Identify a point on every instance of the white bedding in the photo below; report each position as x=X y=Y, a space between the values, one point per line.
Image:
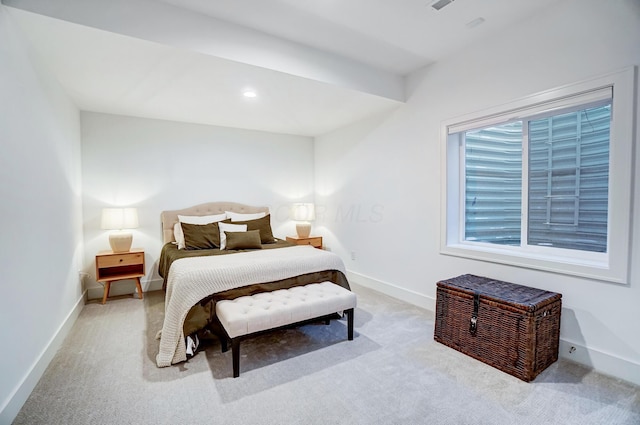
x=192 y=279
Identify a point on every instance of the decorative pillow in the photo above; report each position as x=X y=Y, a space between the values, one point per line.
x=228 y=227
x=243 y=240
x=201 y=236
x=243 y=217
x=262 y=224
x=193 y=219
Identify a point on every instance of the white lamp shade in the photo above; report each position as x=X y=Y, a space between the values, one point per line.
x=303 y=212
x=119 y=218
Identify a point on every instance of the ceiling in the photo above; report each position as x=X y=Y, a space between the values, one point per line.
x=315 y=65
x=395 y=35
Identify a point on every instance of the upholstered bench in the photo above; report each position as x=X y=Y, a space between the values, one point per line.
x=250 y=315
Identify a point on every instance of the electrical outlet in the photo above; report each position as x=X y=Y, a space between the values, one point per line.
x=572 y=350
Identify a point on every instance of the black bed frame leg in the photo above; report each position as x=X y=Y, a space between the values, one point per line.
x=235 y=354
x=350 y=324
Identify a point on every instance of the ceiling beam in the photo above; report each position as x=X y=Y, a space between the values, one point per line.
x=166 y=24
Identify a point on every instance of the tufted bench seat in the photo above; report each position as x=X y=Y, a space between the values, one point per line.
x=249 y=315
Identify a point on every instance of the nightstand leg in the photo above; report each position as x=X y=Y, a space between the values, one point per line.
x=107 y=288
x=139 y=287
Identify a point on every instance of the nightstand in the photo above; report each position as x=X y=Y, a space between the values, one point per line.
x=112 y=266
x=315 y=241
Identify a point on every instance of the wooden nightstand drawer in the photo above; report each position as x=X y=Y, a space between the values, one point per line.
x=315 y=241
x=126 y=259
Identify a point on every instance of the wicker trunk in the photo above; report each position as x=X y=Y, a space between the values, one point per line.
x=511 y=327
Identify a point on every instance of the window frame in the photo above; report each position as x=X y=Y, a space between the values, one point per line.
x=612 y=266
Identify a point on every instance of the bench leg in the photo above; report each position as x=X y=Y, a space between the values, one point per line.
x=216 y=328
x=349 y=324
x=235 y=354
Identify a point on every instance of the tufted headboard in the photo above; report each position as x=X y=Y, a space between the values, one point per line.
x=170 y=218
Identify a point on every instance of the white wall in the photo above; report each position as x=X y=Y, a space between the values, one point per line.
x=41 y=210
x=159 y=165
x=380 y=181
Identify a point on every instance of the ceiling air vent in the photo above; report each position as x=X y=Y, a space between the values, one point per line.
x=440 y=4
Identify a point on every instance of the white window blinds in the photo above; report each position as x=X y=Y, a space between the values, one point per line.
x=528 y=110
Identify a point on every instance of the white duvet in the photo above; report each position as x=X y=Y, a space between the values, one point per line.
x=192 y=279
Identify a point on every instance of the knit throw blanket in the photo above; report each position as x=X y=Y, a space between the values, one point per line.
x=192 y=279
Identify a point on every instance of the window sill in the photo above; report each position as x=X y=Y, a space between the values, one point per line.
x=580 y=267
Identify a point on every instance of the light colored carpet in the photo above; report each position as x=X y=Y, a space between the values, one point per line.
x=391 y=373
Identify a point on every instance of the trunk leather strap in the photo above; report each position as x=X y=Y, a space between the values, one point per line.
x=473 y=323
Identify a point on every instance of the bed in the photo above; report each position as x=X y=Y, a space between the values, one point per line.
x=200 y=274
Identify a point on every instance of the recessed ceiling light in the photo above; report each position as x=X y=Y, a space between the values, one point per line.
x=474 y=23
x=440 y=4
x=249 y=93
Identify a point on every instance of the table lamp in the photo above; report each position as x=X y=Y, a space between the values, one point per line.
x=120 y=219
x=303 y=213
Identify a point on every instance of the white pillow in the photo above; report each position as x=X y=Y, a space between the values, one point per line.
x=229 y=228
x=201 y=219
x=193 y=219
x=244 y=217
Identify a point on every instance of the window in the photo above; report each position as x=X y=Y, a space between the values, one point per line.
x=569 y=179
x=567 y=185
x=531 y=184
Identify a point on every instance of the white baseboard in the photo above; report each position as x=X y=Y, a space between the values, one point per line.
x=12 y=405
x=394 y=291
x=599 y=361
x=124 y=288
x=602 y=362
